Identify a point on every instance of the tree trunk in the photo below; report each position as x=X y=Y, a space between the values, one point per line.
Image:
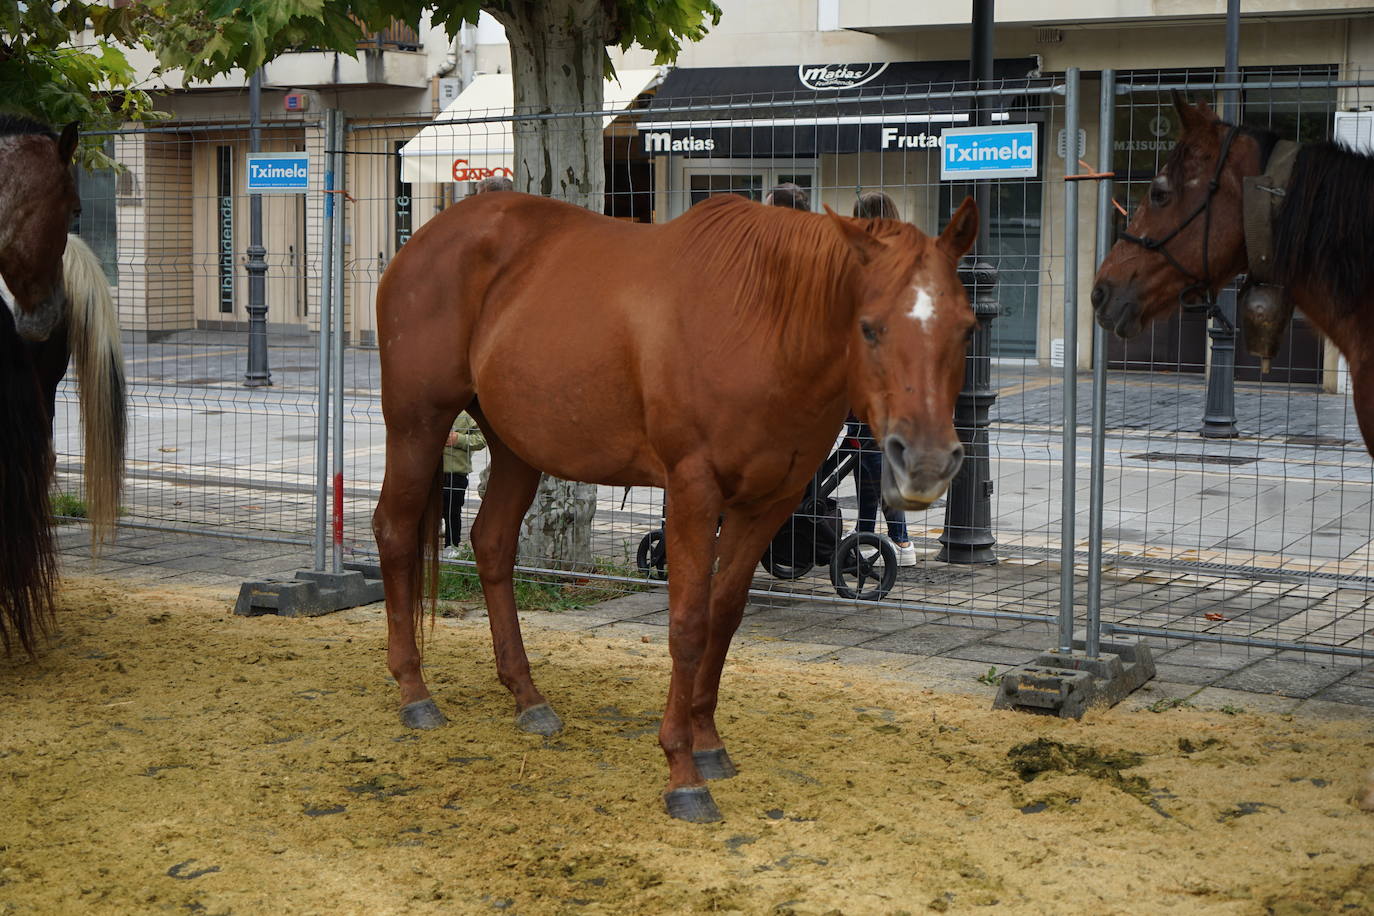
x=557 y=55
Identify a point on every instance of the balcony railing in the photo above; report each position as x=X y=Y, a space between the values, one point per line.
x=396 y=37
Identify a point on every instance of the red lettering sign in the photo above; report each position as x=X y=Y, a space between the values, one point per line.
x=464 y=172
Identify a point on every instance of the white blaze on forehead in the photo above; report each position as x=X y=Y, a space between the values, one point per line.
x=923 y=307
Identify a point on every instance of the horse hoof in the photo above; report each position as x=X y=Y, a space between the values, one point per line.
x=715 y=764
x=422 y=714
x=692 y=804
x=539 y=720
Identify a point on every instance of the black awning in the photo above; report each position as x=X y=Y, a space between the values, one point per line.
x=807 y=110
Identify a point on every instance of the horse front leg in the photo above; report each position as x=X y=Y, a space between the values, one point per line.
x=690 y=532
x=743 y=538
x=408 y=499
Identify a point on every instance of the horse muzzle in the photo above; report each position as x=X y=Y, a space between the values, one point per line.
x=37 y=325
x=1116 y=310
x=913 y=478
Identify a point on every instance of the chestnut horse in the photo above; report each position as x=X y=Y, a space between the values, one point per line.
x=714 y=356
x=62 y=310
x=1187 y=240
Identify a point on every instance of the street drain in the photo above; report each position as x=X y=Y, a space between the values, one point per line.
x=1193 y=459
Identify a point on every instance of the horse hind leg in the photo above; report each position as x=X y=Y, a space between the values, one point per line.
x=406 y=525
x=495 y=538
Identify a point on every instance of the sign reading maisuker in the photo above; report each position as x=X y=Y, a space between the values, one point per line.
x=1004 y=151
x=278 y=173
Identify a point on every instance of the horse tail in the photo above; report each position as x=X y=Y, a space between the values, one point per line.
x=28 y=550
x=93 y=337
x=428 y=588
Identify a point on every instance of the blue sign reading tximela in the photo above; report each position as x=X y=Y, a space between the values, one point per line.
x=1003 y=151
x=279 y=173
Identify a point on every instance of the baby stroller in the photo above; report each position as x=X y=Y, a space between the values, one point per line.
x=863 y=565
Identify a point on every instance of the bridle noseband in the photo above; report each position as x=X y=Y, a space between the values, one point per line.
x=1203 y=209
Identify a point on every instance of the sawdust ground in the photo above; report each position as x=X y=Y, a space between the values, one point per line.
x=164 y=756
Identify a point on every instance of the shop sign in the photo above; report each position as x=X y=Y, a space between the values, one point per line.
x=898 y=138
x=464 y=172
x=1005 y=151
x=278 y=173
x=662 y=141
x=838 y=76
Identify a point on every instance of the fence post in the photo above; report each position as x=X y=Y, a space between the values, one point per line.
x=340 y=215
x=1070 y=440
x=1106 y=130
x=326 y=315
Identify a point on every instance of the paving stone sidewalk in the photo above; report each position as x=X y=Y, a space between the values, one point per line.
x=941 y=651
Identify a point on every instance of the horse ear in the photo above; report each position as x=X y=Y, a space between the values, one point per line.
x=962 y=230
x=864 y=246
x=1199 y=115
x=66 y=144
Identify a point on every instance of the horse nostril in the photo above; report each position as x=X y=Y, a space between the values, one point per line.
x=1099 y=295
x=894 y=452
x=956 y=458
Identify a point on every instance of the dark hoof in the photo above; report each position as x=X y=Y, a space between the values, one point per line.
x=539 y=720
x=422 y=714
x=714 y=764
x=692 y=804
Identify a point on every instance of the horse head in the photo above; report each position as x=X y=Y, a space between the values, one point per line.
x=906 y=350
x=38 y=200
x=1186 y=240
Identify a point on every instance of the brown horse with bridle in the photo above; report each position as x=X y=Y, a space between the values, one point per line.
x=1235 y=199
x=1299 y=221
x=714 y=356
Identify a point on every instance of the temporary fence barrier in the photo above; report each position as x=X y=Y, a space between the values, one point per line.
x=1100 y=497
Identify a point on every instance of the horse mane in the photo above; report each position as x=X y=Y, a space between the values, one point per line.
x=12 y=125
x=786 y=269
x=1324 y=231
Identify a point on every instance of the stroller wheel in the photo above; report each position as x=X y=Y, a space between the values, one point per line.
x=652 y=556
x=782 y=570
x=864 y=567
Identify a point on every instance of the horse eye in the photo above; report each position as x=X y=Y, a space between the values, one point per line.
x=870 y=332
x=1158 y=197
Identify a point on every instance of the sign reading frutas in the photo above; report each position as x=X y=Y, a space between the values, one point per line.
x=278 y=173
x=1005 y=151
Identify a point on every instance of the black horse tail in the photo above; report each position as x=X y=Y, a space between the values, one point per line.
x=28 y=551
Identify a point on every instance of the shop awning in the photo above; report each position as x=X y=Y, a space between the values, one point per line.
x=808 y=110
x=458 y=147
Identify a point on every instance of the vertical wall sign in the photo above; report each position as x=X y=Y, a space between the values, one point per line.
x=224 y=224
x=405 y=205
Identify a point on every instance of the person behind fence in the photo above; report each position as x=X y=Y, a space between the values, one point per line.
x=788 y=195
x=464 y=439
x=868 y=473
x=495 y=183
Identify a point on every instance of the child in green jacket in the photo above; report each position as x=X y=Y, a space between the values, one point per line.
x=464 y=439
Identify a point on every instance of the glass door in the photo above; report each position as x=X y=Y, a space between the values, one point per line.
x=702 y=178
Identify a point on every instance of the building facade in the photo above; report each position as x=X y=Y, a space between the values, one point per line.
x=176 y=220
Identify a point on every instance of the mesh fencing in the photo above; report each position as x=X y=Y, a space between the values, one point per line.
x=1262 y=538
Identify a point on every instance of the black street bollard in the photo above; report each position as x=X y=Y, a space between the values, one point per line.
x=967 y=537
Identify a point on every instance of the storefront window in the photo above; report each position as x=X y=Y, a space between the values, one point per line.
x=97 y=223
x=1014 y=226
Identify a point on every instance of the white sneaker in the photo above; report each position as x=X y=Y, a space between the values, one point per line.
x=450 y=552
x=906 y=554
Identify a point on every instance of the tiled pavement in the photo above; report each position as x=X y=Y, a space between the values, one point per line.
x=945 y=651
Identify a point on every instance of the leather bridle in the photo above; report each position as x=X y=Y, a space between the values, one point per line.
x=1203 y=209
